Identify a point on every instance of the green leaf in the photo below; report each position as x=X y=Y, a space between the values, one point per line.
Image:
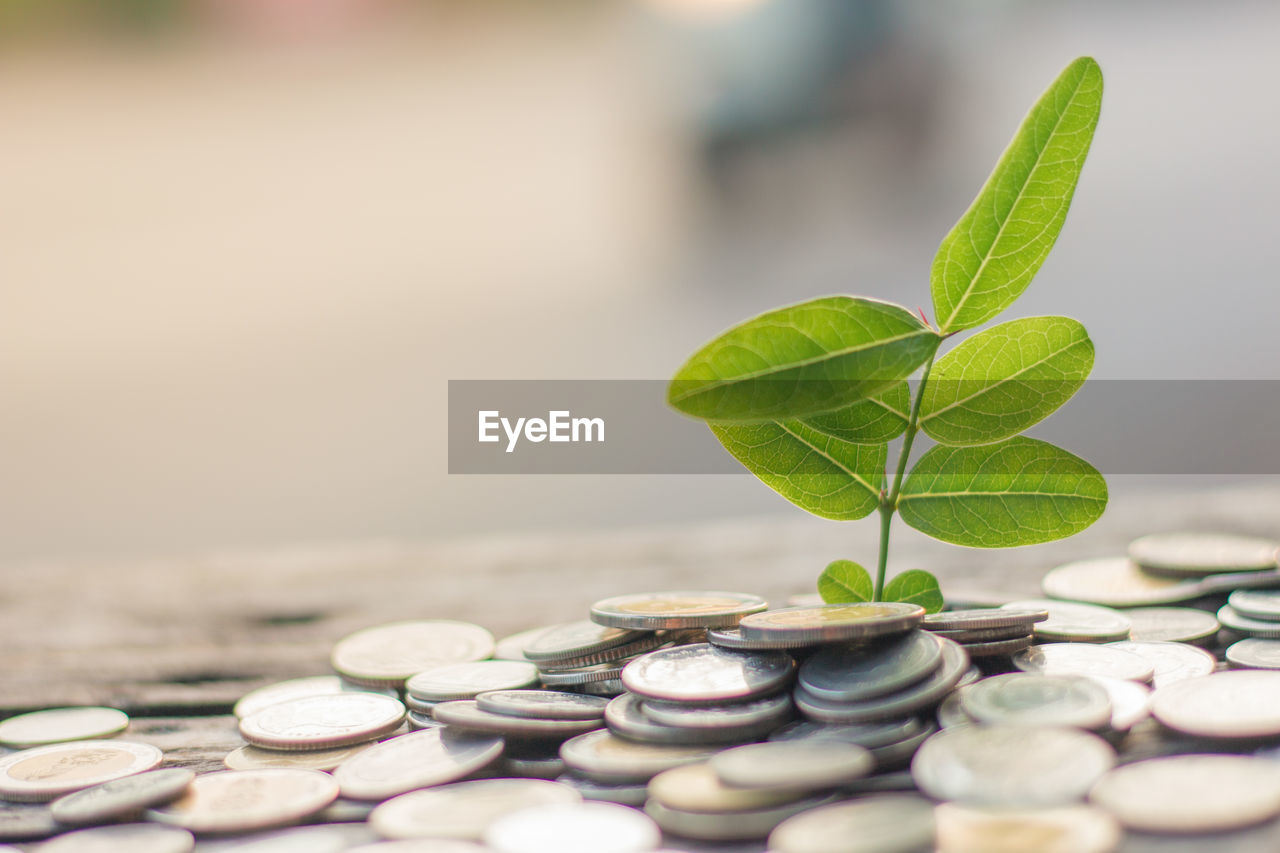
x=844 y=582
x=1019 y=492
x=819 y=473
x=874 y=420
x=803 y=360
x=1005 y=379
x=995 y=249
x=915 y=586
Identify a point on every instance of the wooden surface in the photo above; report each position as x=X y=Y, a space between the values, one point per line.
x=176 y=642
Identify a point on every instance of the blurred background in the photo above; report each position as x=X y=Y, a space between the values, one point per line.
x=245 y=243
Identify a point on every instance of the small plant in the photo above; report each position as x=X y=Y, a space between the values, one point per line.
x=808 y=397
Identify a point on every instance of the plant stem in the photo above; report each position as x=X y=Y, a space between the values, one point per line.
x=889 y=501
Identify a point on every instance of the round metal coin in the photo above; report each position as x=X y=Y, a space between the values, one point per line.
x=575 y=828
x=323 y=722
x=1060 y=829
x=740 y=825
x=1235 y=704
x=297 y=688
x=1130 y=701
x=123 y=797
x=543 y=704
x=846 y=673
x=605 y=757
x=1024 y=699
x=1004 y=765
x=707 y=674
x=1237 y=621
x=997 y=648
x=1191 y=793
x=47 y=772
x=889 y=823
x=465 y=714
x=797 y=765
x=133 y=837
x=698 y=788
x=256 y=758
x=466 y=680
x=770 y=712
x=1171 y=625
x=1068 y=620
x=1083 y=659
x=22 y=822
x=1256 y=604
x=990 y=618
x=1254 y=653
x=464 y=809
x=731 y=638
x=246 y=800
x=59 y=725
x=416 y=760
x=1171 y=661
x=1116 y=582
x=626 y=795
x=869 y=735
x=420 y=845
x=1202 y=553
x=832 y=622
x=574 y=639
x=627 y=718
x=682 y=609
x=387 y=655
x=512 y=646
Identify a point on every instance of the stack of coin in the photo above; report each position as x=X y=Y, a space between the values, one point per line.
x=589 y=658
x=987 y=632
x=463 y=681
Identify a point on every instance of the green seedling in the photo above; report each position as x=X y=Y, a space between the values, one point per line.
x=808 y=397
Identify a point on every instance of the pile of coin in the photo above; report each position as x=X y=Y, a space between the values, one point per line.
x=987 y=633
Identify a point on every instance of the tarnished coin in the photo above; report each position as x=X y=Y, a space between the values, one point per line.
x=585 y=675
x=707 y=674
x=922 y=694
x=256 y=758
x=133 y=837
x=984 y=635
x=989 y=618
x=1191 y=793
x=1130 y=701
x=1202 y=553
x=605 y=757
x=1171 y=661
x=24 y=822
x=1004 y=765
x=682 y=609
x=531 y=767
x=1254 y=653
x=543 y=704
x=769 y=712
x=1171 y=625
x=1116 y=582
x=626 y=717
x=1083 y=659
x=573 y=828
x=869 y=735
x=609 y=688
x=245 y=800
x=889 y=823
x=387 y=655
x=1024 y=699
x=1235 y=704
x=1068 y=620
x=894 y=756
x=1058 y=829
x=832 y=622
x=796 y=765
x=297 y=688
x=416 y=760
x=466 y=680
x=464 y=809
x=740 y=825
x=731 y=638
x=45 y=773
x=950 y=712
x=698 y=788
x=323 y=722
x=850 y=673
x=575 y=639
x=1237 y=621
x=512 y=646
x=626 y=795
x=465 y=714
x=1256 y=604
x=59 y=725
x=121 y=798
x=998 y=647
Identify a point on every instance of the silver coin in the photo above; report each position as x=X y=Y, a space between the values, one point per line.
x=245 y=800
x=1191 y=793
x=990 y=618
x=1235 y=704
x=418 y=721
x=1171 y=661
x=59 y=725
x=465 y=714
x=574 y=639
x=543 y=704
x=833 y=622
x=1056 y=829
x=608 y=689
x=512 y=646
x=302 y=839
x=1116 y=582
x=605 y=757
x=256 y=758
x=1172 y=625
x=626 y=717
x=323 y=722
x=868 y=735
x=1025 y=699
x=1203 y=553
x=798 y=765
x=626 y=795
x=387 y=655
x=526 y=767
x=1005 y=765
x=1254 y=653
x=1256 y=604
x=1237 y=621
x=580 y=677
x=950 y=712
x=707 y=674
x=895 y=755
x=1076 y=622
x=420 y=845
x=574 y=828
x=848 y=673
x=464 y=809
x=889 y=823
x=1083 y=659
x=983 y=635
x=731 y=638
x=419 y=705
x=890 y=781
x=769 y=712
x=698 y=788
x=741 y=825
x=922 y=694
x=121 y=798
x=418 y=759
x=133 y=837
x=998 y=647
x=23 y=822
x=45 y=773
x=1130 y=701
x=466 y=680
x=297 y=688
x=681 y=609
